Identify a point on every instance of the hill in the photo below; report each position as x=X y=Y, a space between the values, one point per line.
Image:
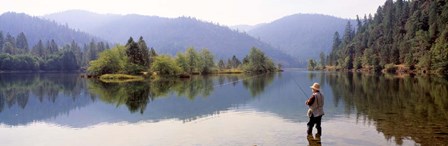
x=169 y=35
x=36 y=29
x=303 y=35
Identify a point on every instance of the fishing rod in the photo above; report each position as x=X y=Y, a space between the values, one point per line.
x=300 y=88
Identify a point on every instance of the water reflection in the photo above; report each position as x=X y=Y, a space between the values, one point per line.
x=53 y=95
x=393 y=110
x=29 y=97
x=401 y=107
x=257 y=83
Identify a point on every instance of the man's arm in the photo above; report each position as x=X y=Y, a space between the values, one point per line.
x=310 y=101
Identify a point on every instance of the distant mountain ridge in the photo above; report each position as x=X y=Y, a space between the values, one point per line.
x=303 y=36
x=169 y=35
x=36 y=29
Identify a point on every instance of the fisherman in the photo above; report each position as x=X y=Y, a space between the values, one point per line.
x=316 y=110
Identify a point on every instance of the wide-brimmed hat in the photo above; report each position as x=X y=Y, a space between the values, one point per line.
x=315 y=86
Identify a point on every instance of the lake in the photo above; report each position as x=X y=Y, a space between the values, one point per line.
x=268 y=109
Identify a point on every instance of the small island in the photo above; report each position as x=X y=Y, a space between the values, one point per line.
x=136 y=62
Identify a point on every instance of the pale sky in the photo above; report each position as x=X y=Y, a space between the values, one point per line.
x=225 y=12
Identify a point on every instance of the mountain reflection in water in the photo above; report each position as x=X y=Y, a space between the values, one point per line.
x=401 y=108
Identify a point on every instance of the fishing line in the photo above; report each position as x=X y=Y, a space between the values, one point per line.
x=236 y=81
x=300 y=87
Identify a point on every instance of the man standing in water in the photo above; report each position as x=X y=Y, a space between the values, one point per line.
x=316 y=110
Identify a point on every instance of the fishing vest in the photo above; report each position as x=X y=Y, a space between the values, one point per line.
x=318 y=105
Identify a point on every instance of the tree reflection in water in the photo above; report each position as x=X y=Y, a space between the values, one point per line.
x=257 y=83
x=136 y=95
x=401 y=107
x=18 y=87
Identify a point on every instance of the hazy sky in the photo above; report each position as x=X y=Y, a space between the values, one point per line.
x=226 y=12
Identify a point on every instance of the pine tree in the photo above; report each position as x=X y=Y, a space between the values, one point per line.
x=221 y=64
x=39 y=49
x=144 y=52
x=2 y=41
x=11 y=40
x=152 y=55
x=52 y=47
x=22 y=43
x=134 y=53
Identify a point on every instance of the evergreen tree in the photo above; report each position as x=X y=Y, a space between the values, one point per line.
x=235 y=62
x=11 y=40
x=76 y=51
x=221 y=64
x=333 y=57
x=91 y=53
x=52 y=47
x=402 y=32
x=152 y=55
x=144 y=52
x=2 y=41
x=134 y=53
x=39 y=49
x=69 y=62
x=22 y=43
x=311 y=64
x=9 y=48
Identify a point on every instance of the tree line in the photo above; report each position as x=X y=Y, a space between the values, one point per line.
x=17 y=55
x=410 y=33
x=136 y=58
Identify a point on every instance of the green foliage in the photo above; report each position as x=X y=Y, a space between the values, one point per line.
x=312 y=64
x=221 y=64
x=47 y=57
x=144 y=52
x=165 y=65
x=181 y=60
x=18 y=62
x=39 y=49
x=192 y=59
x=206 y=61
x=110 y=61
x=322 y=60
x=402 y=32
x=22 y=43
x=119 y=78
x=258 y=62
x=439 y=53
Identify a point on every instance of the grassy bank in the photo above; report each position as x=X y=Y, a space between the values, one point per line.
x=117 y=78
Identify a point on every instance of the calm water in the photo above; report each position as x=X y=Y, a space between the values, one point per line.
x=63 y=109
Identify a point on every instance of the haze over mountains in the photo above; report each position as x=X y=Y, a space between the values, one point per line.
x=303 y=36
x=288 y=40
x=167 y=35
x=36 y=29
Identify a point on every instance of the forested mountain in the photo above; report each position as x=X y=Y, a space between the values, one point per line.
x=413 y=33
x=303 y=36
x=17 y=55
x=36 y=29
x=169 y=36
x=34 y=44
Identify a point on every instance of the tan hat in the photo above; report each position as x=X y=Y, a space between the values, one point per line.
x=315 y=86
